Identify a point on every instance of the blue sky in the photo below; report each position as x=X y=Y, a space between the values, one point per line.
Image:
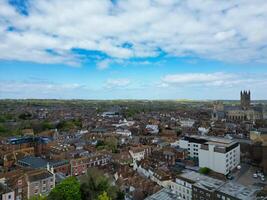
x=150 y=49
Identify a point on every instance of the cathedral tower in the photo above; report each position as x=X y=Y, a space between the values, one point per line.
x=245 y=99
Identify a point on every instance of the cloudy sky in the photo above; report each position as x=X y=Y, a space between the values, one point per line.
x=129 y=49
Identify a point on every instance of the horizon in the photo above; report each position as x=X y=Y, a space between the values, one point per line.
x=150 y=50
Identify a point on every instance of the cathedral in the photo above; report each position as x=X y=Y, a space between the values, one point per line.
x=244 y=111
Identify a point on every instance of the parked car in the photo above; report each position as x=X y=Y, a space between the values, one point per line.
x=255 y=175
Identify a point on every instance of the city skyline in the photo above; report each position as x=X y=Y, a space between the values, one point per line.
x=133 y=50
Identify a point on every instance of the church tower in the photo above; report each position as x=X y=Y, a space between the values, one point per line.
x=245 y=99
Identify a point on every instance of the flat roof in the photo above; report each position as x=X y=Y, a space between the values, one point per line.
x=239 y=191
x=218 y=141
x=163 y=194
x=202 y=181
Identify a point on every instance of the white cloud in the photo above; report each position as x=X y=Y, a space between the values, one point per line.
x=117 y=83
x=37 y=89
x=103 y=64
x=217 y=79
x=231 y=31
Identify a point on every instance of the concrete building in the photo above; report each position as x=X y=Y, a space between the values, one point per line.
x=219 y=154
x=192 y=144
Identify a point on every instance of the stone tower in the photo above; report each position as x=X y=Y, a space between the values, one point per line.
x=245 y=99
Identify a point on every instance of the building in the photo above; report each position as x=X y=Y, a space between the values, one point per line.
x=79 y=166
x=152 y=129
x=184 y=183
x=245 y=111
x=140 y=152
x=31 y=162
x=187 y=122
x=164 y=193
x=219 y=154
x=123 y=132
x=192 y=144
x=259 y=135
x=6 y=193
x=27 y=184
x=235 y=191
x=40 y=183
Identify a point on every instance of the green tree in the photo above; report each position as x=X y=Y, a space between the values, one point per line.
x=204 y=170
x=39 y=197
x=103 y=196
x=69 y=189
x=46 y=125
x=111 y=143
x=94 y=183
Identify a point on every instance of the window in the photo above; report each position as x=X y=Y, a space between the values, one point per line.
x=9 y=196
x=19 y=182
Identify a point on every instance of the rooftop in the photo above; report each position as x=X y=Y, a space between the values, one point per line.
x=218 y=141
x=40 y=175
x=163 y=194
x=202 y=181
x=38 y=163
x=239 y=191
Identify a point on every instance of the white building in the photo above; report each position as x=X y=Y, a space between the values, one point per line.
x=6 y=192
x=153 y=129
x=139 y=153
x=192 y=144
x=219 y=154
x=187 y=122
x=124 y=132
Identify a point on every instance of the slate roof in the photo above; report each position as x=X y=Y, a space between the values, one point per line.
x=38 y=163
x=163 y=194
x=33 y=162
x=39 y=176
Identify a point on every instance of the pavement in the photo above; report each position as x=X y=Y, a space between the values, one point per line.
x=244 y=176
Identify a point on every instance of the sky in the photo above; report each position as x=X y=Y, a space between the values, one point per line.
x=129 y=49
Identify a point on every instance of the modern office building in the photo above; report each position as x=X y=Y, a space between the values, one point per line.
x=219 y=154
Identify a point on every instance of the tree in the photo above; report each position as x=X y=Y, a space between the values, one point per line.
x=111 y=143
x=104 y=196
x=39 y=197
x=69 y=189
x=25 y=116
x=204 y=170
x=95 y=183
x=46 y=125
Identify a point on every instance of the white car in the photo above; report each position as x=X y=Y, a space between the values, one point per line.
x=255 y=176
